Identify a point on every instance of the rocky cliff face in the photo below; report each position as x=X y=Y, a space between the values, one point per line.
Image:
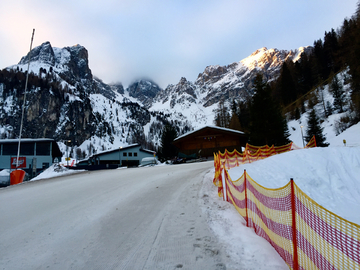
x=224 y=83
x=58 y=101
x=144 y=91
x=70 y=63
x=236 y=80
x=65 y=101
x=181 y=93
x=42 y=54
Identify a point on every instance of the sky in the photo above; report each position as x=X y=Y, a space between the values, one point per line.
x=165 y=40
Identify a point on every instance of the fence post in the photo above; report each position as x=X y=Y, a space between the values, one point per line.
x=225 y=187
x=246 y=208
x=224 y=184
x=293 y=213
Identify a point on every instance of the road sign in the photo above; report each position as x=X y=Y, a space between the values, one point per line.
x=21 y=163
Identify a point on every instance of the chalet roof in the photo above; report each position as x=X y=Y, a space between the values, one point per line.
x=221 y=129
x=122 y=148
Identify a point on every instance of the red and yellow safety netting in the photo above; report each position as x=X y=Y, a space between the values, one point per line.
x=305 y=234
x=252 y=153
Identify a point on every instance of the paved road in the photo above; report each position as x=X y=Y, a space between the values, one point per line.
x=141 y=218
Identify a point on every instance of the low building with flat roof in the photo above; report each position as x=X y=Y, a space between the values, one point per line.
x=35 y=154
x=130 y=156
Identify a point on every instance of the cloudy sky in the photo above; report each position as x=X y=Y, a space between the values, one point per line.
x=165 y=40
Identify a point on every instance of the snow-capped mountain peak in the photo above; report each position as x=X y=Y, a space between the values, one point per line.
x=89 y=111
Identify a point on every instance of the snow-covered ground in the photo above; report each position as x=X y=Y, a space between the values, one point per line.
x=330 y=176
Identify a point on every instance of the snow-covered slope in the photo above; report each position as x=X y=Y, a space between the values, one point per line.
x=67 y=102
x=236 y=80
x=334 y=130
x=330 y=176
x=198 y=100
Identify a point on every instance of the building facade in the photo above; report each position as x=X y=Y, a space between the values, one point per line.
x=130 y=156
x=35 y=154
x=207 y=140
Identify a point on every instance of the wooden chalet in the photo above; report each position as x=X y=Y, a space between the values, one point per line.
x=209 y=139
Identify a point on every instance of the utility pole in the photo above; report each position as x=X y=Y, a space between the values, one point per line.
x=23 y=108
x=302 y=136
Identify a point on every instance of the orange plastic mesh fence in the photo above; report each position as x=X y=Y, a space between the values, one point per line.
x=218 y=174
x=268 y=212
x=323 y=239
x=305 y=234
x=254 y=153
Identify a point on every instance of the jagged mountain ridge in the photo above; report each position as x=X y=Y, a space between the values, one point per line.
x=144 y=91
x=90 y=111
x=199 y=99
x=236 y=79
x=65 y=101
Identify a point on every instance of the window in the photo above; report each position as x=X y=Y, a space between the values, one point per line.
x=10 y=149
x=124 y=154
x=135 y=154
x=43 y=148
x=27 y=149
x=130 y=154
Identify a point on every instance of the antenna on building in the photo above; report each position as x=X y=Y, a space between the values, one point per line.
x=23 y=108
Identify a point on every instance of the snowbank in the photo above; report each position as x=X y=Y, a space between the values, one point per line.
x=55 y=170
x=244 y=249
x=330 y=176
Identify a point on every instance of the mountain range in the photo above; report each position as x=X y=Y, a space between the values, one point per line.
x=65 y=101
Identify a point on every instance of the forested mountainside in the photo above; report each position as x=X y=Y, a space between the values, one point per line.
x=331 y=64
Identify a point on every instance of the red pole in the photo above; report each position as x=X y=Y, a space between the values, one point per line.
x=293 y=213
x=247 y=222
x=223 y=179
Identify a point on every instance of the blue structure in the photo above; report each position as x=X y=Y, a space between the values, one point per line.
x=36 y=154
x=130 y=156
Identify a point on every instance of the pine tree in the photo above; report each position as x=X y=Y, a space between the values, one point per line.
x=167 y=149
x=297 y=114
x=267 y=125
x=314 y=129
x=350 y=46
x=222 y=116
x=234 y=122
x=287 y=85
x=243 y=114
x=338 y=94
x=329 y=108
x=234 y=107
x=331 y=47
